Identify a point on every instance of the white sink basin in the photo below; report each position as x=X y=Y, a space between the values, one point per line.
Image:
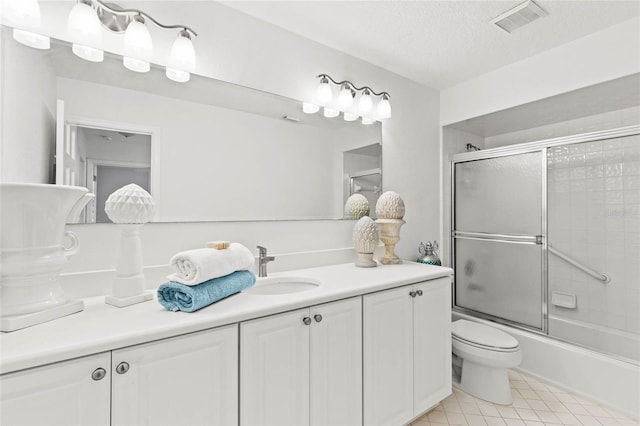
x=282 y=285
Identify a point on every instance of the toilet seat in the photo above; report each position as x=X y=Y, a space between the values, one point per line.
x=483 y=337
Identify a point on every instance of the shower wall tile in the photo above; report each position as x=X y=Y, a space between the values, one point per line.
x=594 y=216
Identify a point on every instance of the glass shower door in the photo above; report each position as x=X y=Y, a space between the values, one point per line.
x=498 y=236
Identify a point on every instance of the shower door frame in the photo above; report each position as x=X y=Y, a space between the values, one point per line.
x=524 y=148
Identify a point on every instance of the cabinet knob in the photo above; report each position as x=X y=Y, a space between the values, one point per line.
x=306 y=320
x=98 y=374
x=122 y=368
x=412 y=293
x=419 y=292
x=317 y=317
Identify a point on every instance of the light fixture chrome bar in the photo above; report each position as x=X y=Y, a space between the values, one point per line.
x=584 y=268
x=118 y=11
x=353 y=86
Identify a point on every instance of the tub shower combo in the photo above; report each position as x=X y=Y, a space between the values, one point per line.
x=546 y=238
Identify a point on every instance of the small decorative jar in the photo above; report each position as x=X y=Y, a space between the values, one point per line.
x=428 y=253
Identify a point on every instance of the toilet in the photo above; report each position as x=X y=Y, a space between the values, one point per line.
x=481 y=357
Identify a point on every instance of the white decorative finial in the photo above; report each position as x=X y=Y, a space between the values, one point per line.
x=356 y=207
x=365 y=240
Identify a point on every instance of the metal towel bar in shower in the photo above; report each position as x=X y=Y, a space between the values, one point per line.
x=597 y=275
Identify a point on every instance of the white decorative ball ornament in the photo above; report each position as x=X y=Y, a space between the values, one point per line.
x=130 y=204
x=356 y=207
x=390 y=206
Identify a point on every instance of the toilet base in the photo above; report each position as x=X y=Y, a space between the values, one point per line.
x=488 y=383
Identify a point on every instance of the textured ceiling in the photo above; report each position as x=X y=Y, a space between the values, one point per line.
x=437 y=43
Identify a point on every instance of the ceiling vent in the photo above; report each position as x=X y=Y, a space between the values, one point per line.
x=519 y=16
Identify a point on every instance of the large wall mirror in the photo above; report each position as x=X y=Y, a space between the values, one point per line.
x=206 y=150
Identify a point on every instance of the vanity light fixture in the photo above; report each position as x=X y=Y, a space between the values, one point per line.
x=85 y=23
x=349 y=92
x=25 y=14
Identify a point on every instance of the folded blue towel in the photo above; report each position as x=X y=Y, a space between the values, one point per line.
x=189 y=298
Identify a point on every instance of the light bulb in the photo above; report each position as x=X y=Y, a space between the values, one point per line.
x=30 y=39
x=350 y=117
x=365 y=103
x=330 y=112
x=366 y=120
x=138 y=46
x=345 y=98
x=324 y=92
x=384 y=107
x=309 y=108
x=177 y=75
x=85 y=30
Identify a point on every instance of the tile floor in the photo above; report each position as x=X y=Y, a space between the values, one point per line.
x=534 y=404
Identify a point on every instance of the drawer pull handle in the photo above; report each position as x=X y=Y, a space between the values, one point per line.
x=419 y=292
x=412 y=293
x=306 y=320
x=122 y=368
x=317 y=317
x=98 y=374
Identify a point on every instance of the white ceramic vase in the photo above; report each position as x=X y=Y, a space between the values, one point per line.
x=35 y=248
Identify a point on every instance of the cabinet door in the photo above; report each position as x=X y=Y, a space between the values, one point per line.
x=274 y=370
x=388 y=357
x=336 y=363
x=432 y=344
x=62 y=394
x=185 y=380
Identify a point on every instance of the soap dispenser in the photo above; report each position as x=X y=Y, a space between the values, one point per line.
x=428 y=253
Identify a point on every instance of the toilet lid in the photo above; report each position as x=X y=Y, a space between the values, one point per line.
x=484 y=335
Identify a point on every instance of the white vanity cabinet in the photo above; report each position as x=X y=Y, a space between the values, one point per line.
x=186 y=380
x=303 y=367
x=69 y=393
x=407 y=351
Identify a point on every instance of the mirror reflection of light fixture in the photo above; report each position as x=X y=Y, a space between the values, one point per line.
x=330 y=112
x=25 y=14
x=346 y=99
x=309 y=108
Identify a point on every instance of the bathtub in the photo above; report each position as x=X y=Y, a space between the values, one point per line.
x=609 y=381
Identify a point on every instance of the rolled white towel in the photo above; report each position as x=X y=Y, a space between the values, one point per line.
x=193 y=267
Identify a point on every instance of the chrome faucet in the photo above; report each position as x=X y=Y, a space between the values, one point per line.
x=263 y=259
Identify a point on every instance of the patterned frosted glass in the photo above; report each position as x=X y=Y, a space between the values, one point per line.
x=500 y=279
x=500 y=195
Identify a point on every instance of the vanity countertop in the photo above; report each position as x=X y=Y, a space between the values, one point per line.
x=101 y=327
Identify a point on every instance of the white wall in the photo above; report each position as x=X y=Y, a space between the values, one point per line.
x=240 y=49
x=605 y=55
x=28 y=90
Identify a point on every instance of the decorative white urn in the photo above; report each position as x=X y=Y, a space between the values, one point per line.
x=34 y=249
x=365 y=240
x=130 y=207
x=390 y=211
x=356 y=207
